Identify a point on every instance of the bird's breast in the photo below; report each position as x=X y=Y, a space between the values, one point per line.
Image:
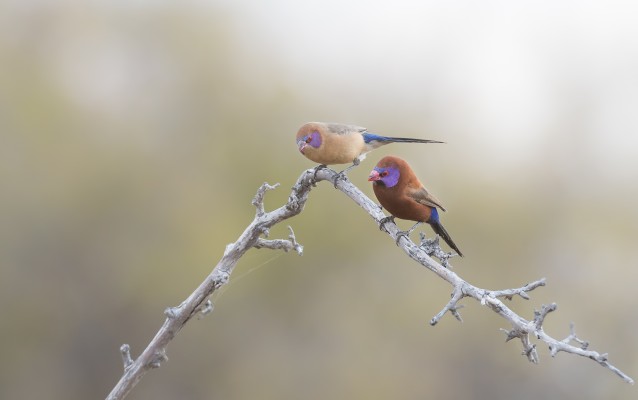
x=400 y=205
x=339 y=149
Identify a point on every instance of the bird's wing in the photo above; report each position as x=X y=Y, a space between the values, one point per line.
x=344 y=129
x=422 y=196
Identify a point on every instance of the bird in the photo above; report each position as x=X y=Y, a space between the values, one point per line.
x=333 y=143
x=400 y=192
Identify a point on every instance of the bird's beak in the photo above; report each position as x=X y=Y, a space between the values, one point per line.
x=302 y=145
x=374 y=176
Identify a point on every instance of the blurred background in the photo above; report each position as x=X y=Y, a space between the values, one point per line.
x=134 y=134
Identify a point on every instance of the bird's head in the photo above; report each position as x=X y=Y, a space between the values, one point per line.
x=309 y=138
x=386 y=173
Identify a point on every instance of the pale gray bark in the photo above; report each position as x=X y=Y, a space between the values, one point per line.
x=255 y=235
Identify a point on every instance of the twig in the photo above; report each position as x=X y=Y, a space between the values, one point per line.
x=452 y=306
x=197 y=302
x=281 y=244
x=125 y=349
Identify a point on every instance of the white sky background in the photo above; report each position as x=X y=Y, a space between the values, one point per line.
x=508 y=73
x=511 y=78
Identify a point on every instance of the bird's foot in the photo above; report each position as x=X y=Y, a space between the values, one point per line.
x=384 y=221
x=400 y=234
x=407 y=233
x=317 y=169
x=340 y=176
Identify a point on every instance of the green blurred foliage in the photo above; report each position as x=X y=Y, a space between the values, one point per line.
x=133 y=137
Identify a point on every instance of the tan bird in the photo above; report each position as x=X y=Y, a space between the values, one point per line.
x=333 y=143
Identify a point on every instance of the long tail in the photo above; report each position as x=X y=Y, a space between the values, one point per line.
x=375 y=141
x=440 y=230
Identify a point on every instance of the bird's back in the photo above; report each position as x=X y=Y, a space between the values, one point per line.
x=344 y=129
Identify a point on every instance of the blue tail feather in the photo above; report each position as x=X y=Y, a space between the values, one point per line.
x=371 y=137
x=434 y=215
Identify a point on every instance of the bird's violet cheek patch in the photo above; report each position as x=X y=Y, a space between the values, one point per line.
x=315 y=139
x=392 y=178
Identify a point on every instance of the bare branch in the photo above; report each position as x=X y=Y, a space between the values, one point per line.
x=125 y=349
x=539 y=316
x=198 y=303
x=452 y=306
x=281 y=244
x=564 y=345
x=258 y=200
x=522 y=328
x=522 y=291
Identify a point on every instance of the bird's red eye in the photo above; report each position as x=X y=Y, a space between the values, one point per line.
x=384 y=173
x=308 y=139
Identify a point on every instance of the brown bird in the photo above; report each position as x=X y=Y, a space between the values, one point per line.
x=401 y=193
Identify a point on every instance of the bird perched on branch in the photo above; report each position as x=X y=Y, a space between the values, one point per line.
x=332 y=143
x=401 y=193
